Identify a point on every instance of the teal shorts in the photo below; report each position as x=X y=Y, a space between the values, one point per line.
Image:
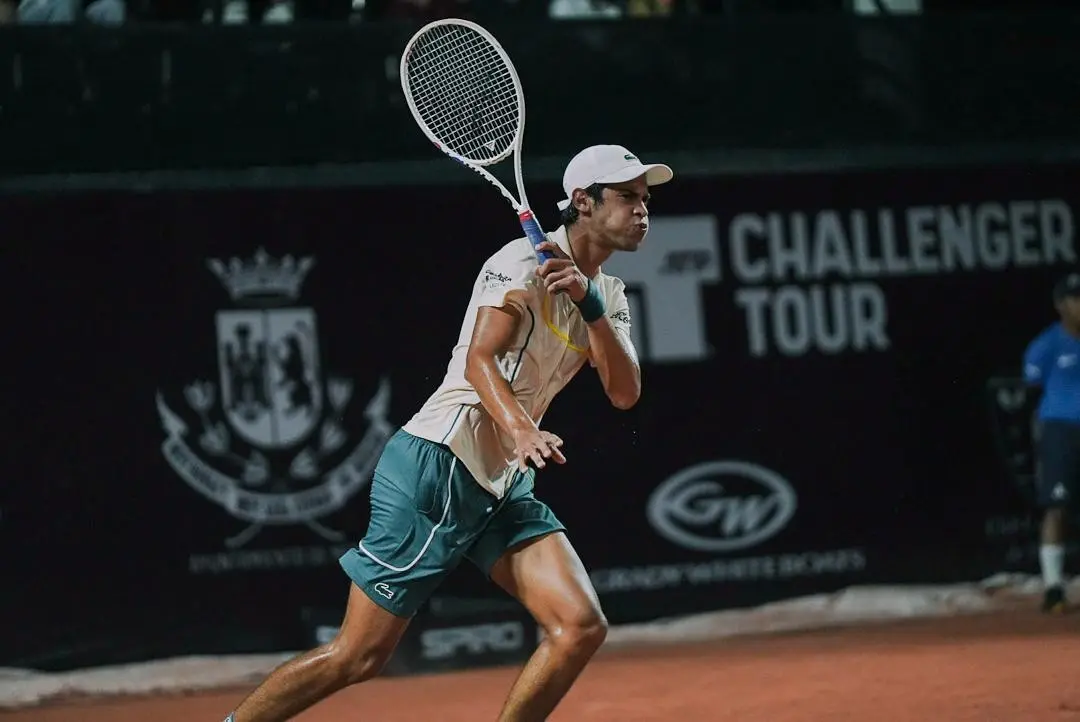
x=427 y=513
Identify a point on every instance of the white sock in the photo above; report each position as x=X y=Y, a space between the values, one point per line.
x=1052 y=561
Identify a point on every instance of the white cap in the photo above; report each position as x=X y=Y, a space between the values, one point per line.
x=606 y=164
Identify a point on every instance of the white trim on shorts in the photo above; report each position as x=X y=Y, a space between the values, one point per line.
x=431 y=536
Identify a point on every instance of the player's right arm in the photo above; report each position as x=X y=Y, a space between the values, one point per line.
x=495 y=329
x=1038 y=358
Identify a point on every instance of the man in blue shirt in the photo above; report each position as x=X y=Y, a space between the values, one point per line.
x=1052 y=362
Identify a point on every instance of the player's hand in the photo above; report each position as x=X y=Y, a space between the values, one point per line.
x=560 y=275
x=537 y=446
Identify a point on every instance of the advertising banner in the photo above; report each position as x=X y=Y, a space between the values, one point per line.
x=207 y=379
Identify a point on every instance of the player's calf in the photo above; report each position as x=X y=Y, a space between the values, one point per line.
x=555 y=666
x=547 y=576
x=1052 y=561
x=1058 y=486
x=308 y=679
x=365 y=642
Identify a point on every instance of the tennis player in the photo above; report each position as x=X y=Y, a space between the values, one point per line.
x=1052 y=361
x=456 y=482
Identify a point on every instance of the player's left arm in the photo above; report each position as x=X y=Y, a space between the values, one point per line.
x=611 y=350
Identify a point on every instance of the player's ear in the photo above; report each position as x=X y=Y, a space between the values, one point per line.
x=582 y=201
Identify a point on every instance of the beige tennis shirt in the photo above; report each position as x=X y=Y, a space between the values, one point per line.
x=551 y=345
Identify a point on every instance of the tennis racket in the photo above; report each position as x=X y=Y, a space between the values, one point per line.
x=466 y=96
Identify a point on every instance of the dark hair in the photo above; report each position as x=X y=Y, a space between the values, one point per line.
x=568 y=216
x=1067 y=286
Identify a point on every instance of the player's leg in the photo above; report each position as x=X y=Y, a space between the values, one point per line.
x=408 y=549
x=1052 y=559
x=525 y=551
x=367 y=638
x=1059 y=467
x=546 y=575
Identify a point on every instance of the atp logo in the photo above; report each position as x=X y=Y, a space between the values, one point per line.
x=664 y=288
x=266 y=440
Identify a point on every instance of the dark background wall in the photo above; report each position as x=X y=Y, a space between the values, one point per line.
x=822 y=318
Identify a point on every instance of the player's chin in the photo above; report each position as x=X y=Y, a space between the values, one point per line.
x=633 y=239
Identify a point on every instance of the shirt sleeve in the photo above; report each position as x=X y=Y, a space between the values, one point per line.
x=505 y=281
x=1038 y=358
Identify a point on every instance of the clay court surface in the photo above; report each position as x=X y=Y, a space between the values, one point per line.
x=986 y=668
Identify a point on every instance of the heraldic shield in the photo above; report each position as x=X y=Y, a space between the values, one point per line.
x=273 y=441
x=1012 y=413
x=271 y=382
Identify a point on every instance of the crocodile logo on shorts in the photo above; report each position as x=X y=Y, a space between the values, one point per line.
x=265 y=439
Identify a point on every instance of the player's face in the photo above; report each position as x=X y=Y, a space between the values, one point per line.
x=1069 y=308
x=622 y=220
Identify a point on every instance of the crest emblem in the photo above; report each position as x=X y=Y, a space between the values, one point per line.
x=266 y=440
x=1012 y=412
x=271 y=388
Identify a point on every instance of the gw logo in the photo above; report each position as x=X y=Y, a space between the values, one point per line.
x=474 y=640
x=686 y=261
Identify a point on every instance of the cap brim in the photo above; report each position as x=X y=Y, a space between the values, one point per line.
x=655 y=174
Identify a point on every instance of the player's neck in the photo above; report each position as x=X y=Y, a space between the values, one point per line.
x=587 y=254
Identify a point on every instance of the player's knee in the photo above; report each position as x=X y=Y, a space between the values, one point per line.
x=582 y=631
x=353 y=663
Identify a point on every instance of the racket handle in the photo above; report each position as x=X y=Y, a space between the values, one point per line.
x=535 y=234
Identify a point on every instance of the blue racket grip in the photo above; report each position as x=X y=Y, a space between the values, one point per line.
x=535 y=234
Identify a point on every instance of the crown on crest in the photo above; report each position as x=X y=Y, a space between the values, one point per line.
x=263 y=275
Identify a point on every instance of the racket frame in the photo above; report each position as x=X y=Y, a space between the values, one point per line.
x=520 y=204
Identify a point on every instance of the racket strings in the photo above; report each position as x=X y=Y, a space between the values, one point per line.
x=464 y=92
